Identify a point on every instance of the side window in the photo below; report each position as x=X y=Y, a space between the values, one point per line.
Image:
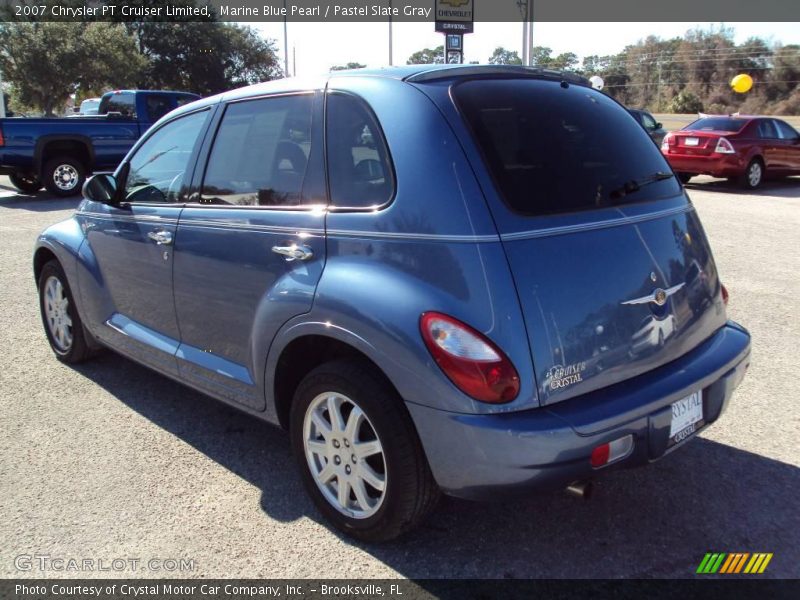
x=157 y=106
x=359 y=169
x=786 y=131
x=123 y=103
x=648 y=121
x=766 y=130
x=157 y=167
x=260 y=153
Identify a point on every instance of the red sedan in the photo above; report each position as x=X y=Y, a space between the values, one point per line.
x=745 y=149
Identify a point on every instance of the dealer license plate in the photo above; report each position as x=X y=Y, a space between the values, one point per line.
x=691 y=141
x=687 y=417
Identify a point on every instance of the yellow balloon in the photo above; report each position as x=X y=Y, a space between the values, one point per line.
x=742 y=83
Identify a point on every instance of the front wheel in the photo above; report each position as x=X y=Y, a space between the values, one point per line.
x=27 y=183
x=64 y=176
x=358 y=452
x=753 y=175
x=62 y=324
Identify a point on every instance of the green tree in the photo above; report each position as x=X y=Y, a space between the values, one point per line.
x=47 y=62
x=204 y=57
x=686 y=102
x=348 y=66
x=541 y=56
x=427 y=56
x=567 y=61
x=501 y=56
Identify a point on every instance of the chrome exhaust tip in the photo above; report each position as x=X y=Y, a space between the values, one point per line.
x=581 y=489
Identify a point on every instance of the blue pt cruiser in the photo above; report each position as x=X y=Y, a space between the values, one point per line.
x=479 y=281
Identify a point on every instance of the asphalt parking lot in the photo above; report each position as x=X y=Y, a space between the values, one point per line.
x=110 y=460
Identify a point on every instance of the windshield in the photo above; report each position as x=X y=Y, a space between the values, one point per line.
x=716 y=124
x=554 y=149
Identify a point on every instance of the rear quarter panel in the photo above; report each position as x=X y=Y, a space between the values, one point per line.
x=434 y=248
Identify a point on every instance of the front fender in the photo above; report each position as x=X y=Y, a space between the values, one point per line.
x=63 y=240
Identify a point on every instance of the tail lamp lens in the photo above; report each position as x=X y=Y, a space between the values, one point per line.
x=724 y=147
x=470 y=360
x=725 y=296
x=611 y=451
x=668 y=141
x=2 y=141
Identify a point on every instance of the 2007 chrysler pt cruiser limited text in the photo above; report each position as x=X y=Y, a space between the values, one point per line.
x=479 y=281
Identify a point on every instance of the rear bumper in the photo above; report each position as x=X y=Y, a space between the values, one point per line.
x=491 y=456
x=716 y=165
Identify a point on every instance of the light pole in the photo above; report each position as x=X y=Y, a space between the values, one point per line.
x=522 y=5
x=2 y=98
x=529 y=26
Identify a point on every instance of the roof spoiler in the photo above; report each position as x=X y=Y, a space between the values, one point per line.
x=439 y=73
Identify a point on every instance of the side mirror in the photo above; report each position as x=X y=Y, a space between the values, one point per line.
x=659 y=126
x=101 y=188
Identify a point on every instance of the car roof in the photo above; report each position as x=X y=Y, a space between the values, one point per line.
x=407 y=73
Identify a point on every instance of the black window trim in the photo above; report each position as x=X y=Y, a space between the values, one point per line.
x=205 y=157
x=188 y=176
x=392 y=173
x=472 y=139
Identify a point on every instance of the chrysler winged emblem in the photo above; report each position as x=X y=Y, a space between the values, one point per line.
x=658 y=296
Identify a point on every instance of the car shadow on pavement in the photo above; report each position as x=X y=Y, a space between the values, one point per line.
x=38 y=202
x=780 y=188
x=653 y=522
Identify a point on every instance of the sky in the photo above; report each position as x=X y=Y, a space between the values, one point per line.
x=319 y=46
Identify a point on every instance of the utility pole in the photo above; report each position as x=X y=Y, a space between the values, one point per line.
x=285 y=41
x=390 y=34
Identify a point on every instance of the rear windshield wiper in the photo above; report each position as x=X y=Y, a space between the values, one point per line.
x=634 y=185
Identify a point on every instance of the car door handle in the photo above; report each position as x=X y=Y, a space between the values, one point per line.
x=294 y=252
x=160 y=237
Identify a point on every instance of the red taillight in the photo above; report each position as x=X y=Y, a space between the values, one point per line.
x=611 y=451
x=600 y=455
x=2 y=141
x=725 y=296
x=472 y=362
x=669 y=140
x=724 y=147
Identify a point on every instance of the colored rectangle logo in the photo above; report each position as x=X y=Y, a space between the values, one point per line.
x=732 y=563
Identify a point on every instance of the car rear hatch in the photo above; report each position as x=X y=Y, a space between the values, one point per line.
x=612 y=267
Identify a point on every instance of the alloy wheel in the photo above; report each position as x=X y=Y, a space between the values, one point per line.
x=754 y=174
x=345 y=455
x=56 y=305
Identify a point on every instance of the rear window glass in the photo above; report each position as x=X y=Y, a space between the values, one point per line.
x=716 y=124
x=554 y=150
x=123 y=103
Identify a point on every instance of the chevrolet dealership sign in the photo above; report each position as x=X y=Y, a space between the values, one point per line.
x=454 y=16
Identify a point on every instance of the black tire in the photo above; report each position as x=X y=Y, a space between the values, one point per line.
x=685 y=177
x=79 y=349
x=410 y=491
x=71 y=183
x=26 y=183
x=748 y=180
